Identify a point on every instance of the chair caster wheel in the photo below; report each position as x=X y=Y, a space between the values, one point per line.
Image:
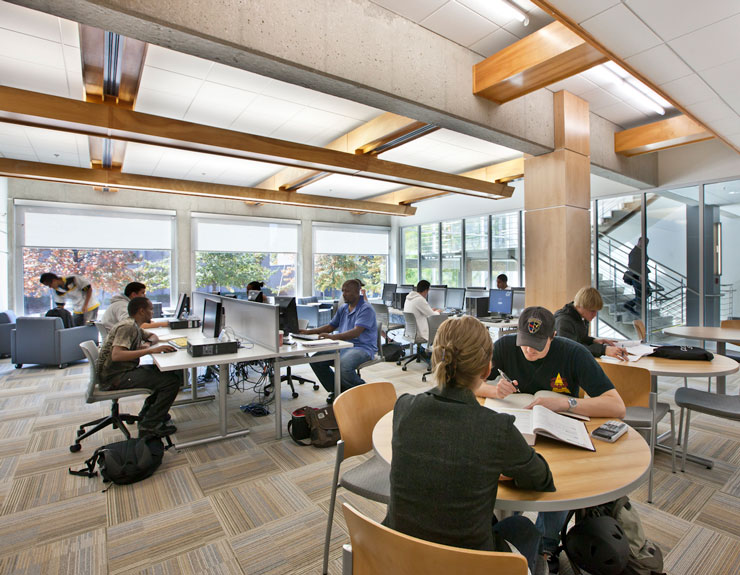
x=295 y=394
x=75 y=448
x=424 y=378
x=62 y=365
x=315 y=386
x=404 y=368
x=18 y=365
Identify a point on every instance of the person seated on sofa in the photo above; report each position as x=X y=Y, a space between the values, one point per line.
x=450 y=452
x=118 y=309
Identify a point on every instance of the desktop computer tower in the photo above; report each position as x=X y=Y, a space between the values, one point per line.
x=476 y=306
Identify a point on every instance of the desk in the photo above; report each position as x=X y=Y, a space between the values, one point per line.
x=657 y=366
x=288 y=355
x=719 y=334
x=583 y=478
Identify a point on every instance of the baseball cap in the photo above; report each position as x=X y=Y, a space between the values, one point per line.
x=536 y=326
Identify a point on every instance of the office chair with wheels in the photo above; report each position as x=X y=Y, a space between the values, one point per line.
x=644 y=411
x=379 y=355
x=433 y=321
x=94 y=394
x=377 y=550
x=357 y=410
x=288 y=375
x=411 y=334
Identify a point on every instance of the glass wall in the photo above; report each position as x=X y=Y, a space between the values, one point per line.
x=452 y=255
x=476 y=252
x=430 y=253
x=108 y=247
x=410 y=251
x=231 y=252
x=505 y=247
x=349 y=252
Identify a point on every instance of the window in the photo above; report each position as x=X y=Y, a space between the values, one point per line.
x=349 y=252
x=110 y=247
x=231 y=252
x=505 y=247
x=452 y=253
x=476 y=251
x=430 y=253
x=410 y=250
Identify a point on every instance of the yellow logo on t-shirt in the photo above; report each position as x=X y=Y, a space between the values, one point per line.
x=559 y=385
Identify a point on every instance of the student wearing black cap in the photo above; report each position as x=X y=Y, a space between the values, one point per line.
x=535 y=359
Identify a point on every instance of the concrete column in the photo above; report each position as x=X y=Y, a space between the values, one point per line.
x=557 y=216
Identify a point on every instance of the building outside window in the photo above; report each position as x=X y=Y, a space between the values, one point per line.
x=349 y=252
x=231 y=252
x=452 y=256
x=430 y=253
x=505 y=252
x=410 y=251
x=476 y=252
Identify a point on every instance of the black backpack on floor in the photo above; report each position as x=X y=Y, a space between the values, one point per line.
x=125 y=461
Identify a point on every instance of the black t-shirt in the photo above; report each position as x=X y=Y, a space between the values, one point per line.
x=566 y=368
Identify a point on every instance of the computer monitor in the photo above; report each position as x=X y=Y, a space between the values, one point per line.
x=212 y=312
x=183 y=305
x=455 y=298
x=256 y=295
x=500 y=301
x=389 y=293
x=437 y=296
x=401 y=292
x=288 y=314
x=517 y=302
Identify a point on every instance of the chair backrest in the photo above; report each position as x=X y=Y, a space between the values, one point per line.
x=434 y=321
x=102 y=330
x=357 y=410
x=302 y=323
x=7 y=316
x=410 y=331
x=640 y=329
x=91 y=353
x=732 y=324
x=378 y=550
x=631 y=382
x=381 y=312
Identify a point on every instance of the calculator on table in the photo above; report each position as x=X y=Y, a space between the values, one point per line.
x=610 y=431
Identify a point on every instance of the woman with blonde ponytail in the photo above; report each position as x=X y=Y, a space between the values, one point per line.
x=449 y=453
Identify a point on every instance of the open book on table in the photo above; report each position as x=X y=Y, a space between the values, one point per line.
x=522 y=400
x=635 y=349
x=541 y=421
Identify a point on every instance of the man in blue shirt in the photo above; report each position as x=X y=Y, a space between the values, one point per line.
x=354 y=322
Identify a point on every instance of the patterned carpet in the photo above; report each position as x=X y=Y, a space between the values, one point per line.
x=254 y=505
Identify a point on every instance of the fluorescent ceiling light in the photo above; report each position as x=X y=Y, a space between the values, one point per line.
x=616 y=76
x=516 y=12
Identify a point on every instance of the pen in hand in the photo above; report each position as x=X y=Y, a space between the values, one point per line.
x=507 y=378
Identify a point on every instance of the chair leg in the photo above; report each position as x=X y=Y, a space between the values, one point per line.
x=686 y=440
x=673 y=440
x=709 y=385
x=653 y=434
x=332 y=503
x=680 y=427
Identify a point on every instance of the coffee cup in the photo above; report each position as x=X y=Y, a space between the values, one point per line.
x=280 y=337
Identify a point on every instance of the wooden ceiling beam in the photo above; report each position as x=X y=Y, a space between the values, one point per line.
x=383 y=133
x=53 y=112
x=501 y=173
x=546 y=56
x=113 y=179
x=670 y=133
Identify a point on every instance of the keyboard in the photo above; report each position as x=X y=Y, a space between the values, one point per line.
x=306 y=336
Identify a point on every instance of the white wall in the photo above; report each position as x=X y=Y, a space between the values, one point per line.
x=706 y=161
x=3 y=243
x=183 y=206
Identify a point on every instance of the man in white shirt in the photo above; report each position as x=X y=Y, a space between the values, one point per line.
x=502 y=281
x=416 y=303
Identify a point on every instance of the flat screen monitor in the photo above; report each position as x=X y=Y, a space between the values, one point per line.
x=389 y=292
x=455 y=298
x=517 y=302
x=212 y=313
x=256 y=295
x=288 y=314
x=183 y=305
x=500 y=301
x=437 y=296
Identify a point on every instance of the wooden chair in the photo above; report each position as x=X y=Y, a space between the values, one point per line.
x=639 y=326
x=357 y=410
x=378 y=550
x=644 y=411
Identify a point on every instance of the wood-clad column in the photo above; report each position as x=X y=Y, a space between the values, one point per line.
x=557 y=194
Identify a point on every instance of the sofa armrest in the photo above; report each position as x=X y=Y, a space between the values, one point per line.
x=5 y=329
x=70 y=340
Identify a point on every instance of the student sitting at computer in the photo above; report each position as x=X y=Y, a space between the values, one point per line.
x=449 y=454
x=535 y=359
x=355 y=322
x=118 y=308
x=502 y=281
x=118 y=368
x=417 y=304
x=572 y=320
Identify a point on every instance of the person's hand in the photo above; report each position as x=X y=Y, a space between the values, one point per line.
x=145 y=344
x=302 y=331
x=505 y=388
x=618 y=352
x=605 y=341
x=326 y=336
x=552 y=403
x=162 y=349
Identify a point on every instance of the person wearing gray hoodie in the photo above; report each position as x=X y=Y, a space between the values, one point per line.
x=118 y=309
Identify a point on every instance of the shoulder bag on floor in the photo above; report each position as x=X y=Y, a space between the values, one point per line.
x=318 y=424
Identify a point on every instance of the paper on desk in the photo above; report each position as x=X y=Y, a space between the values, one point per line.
x=635 y=349
x=318 y=342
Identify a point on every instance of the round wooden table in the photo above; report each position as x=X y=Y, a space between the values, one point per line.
x=582 y=478
x=721 y=335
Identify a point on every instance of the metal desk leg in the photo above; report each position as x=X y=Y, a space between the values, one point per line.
x=721 y=380
x=337 y=374
x=708 y=463
x=194 y=397
x=278 y=400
